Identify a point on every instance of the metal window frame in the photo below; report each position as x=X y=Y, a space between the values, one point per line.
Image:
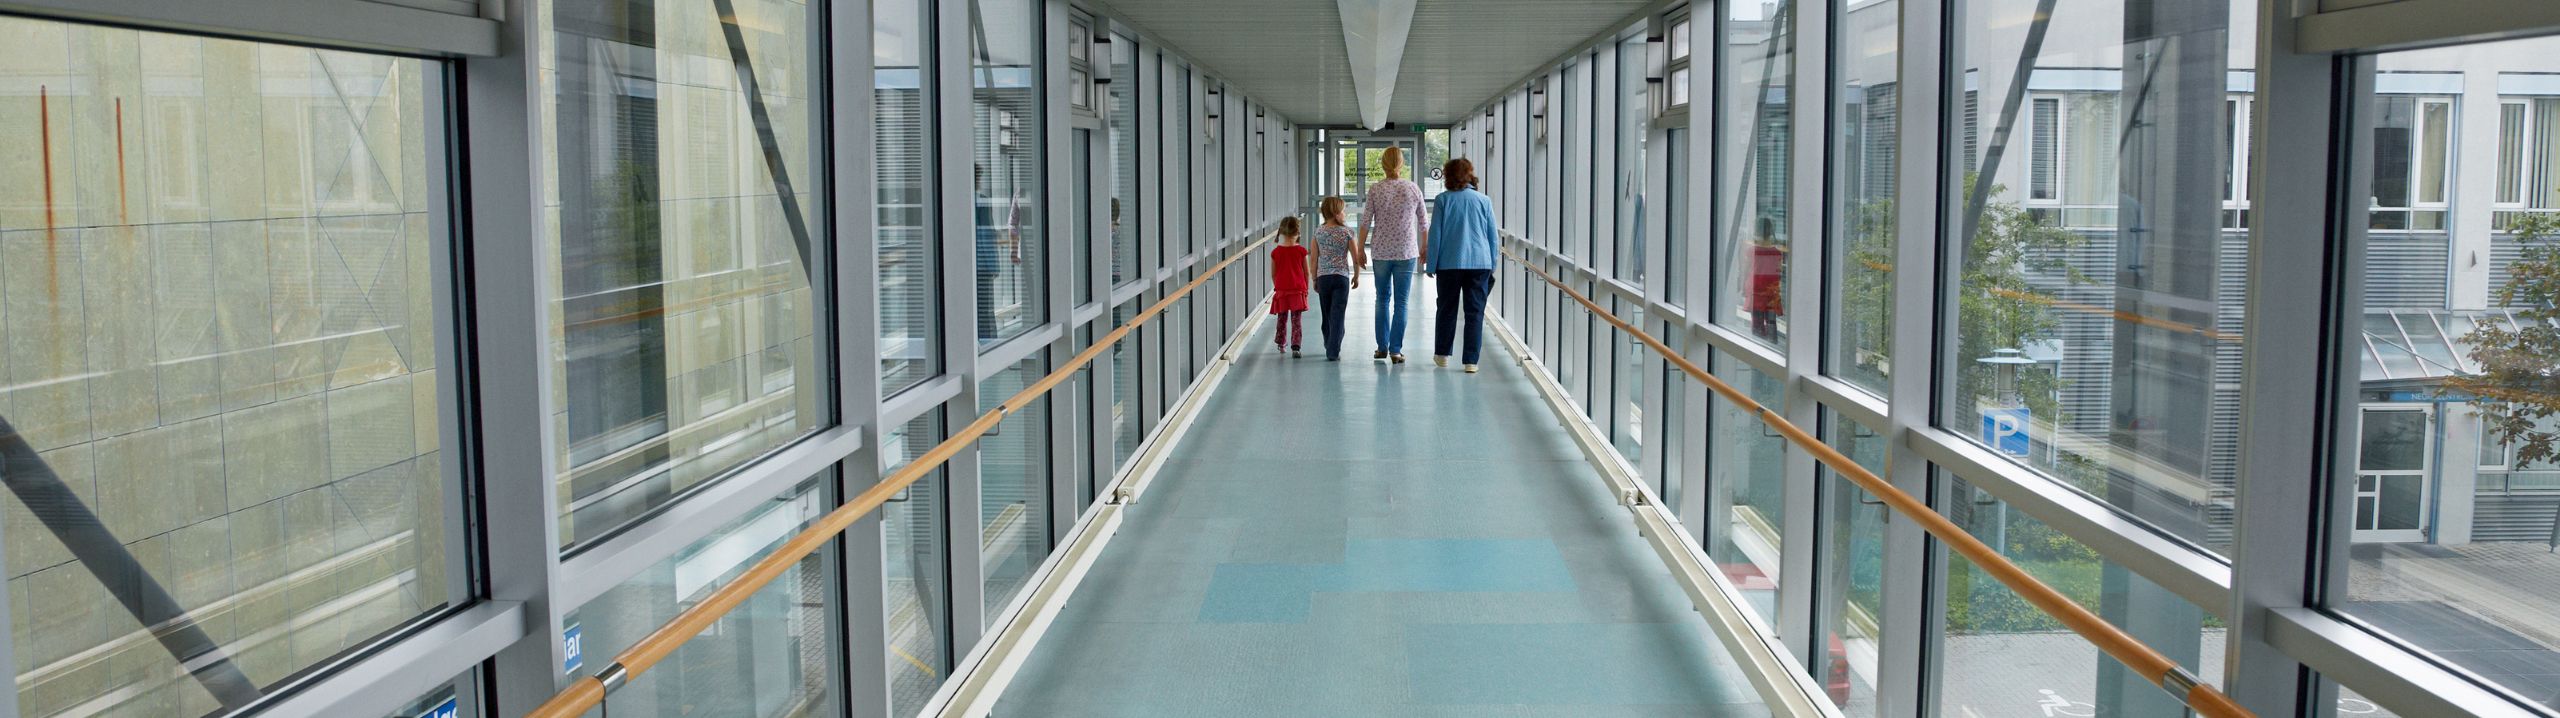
x=500 y=427
x=2280 y=645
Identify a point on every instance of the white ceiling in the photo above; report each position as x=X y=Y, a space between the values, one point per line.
x=1289 y=54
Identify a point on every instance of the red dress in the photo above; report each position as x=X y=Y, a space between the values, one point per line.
x=1288 y=278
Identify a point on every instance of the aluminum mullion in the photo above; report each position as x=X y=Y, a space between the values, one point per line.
x=862 y=612
x=955 y=154
x=1058 y=124
x=2296 y=381
x=1911 y=566
x=510 y=348
x=916 y=401
x=1800 y=594
x=1850 y=401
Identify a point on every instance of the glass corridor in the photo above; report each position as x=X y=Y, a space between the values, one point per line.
x=417 y=357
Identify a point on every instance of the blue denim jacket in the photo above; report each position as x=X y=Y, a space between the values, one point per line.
x=1462 y=232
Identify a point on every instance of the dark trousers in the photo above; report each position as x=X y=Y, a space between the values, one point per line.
x=1333 y=296
x=1473 y=287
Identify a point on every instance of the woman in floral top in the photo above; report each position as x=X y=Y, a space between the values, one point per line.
x=1393 y=231
x=1338 y=264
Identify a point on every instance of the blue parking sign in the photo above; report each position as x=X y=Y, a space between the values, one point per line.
x=450 y=708
x=569 y=645
x=2005 y=430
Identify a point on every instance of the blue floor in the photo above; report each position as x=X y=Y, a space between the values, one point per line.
x=1355 y=539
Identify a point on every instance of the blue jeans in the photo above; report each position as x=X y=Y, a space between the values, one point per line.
x=1395 y=292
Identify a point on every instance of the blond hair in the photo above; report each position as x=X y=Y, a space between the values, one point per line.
x=1393 y=161
x=1332 y=208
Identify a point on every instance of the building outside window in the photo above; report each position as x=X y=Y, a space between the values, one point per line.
x=219 y=389
x=687 y=232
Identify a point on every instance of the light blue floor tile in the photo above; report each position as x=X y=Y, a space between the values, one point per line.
x=1351 y=539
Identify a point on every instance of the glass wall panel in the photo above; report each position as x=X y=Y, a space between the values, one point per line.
x=1634 y=110
x=1992 y=637
x=1178 y=142
x=1676 y=188
x=903 y=168
x=1850 y=571
x=1864 y=105
x=1746 y=478
x=1125 y=205
x=218 y=385
x=1672 y=467
x=2098 y=333
x=1013 y=485
x=1752 y=234
x=1081 y=242
x=1127 y=426
x=772 y=656
x=684 y=216
x=1625 y=378
x=2453 y=502
x=917 y=575
x=1006 y=166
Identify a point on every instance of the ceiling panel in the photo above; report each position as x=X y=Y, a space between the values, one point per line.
x=1289 y=54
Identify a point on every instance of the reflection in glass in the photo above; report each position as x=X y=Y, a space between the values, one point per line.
x=1675 y=207
x=1865 y=102
x=773 y=656
x=1013 y=485
x=903 y=159
x=1746 y=480
x=1633 y=109
x=1992 y=636
x=2451 y=505
x=1125 y=207
x=686 y=214
x=1752 y=233
x=1005 y=166
x=1127 y=426
x=2098 y=332
x=1850 y=606
x=917 y=570
x=218 y=385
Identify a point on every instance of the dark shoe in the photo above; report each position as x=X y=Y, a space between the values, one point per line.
x=1381 y=355
x=1397 y=358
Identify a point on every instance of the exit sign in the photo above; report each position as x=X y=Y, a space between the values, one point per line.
x=1419 y=127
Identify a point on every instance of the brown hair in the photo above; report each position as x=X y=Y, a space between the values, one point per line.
x=1289 y=226
x=1393 y=161
x=1332 y=208
x=1458 y=174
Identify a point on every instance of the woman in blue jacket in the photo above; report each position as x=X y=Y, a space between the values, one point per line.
x=1461 y=255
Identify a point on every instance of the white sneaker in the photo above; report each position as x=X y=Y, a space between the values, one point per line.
x=1471 y=368
x=1441 y=361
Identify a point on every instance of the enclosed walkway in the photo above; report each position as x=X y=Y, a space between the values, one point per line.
x=1361 y=539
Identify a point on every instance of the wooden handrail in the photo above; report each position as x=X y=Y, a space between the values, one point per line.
x=2152 y=666
x=588 y=691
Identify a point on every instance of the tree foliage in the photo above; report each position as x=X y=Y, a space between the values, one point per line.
x=2518 y=387
x=2004 y=300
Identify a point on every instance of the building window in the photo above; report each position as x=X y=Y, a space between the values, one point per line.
x=685 y=235
x=217 y=289
x=903 y=168
x=2412 y=156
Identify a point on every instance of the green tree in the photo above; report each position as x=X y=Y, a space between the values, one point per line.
x=2000 y=304
x=2518 y=387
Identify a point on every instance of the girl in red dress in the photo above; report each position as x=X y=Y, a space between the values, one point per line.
x=1290 y=267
